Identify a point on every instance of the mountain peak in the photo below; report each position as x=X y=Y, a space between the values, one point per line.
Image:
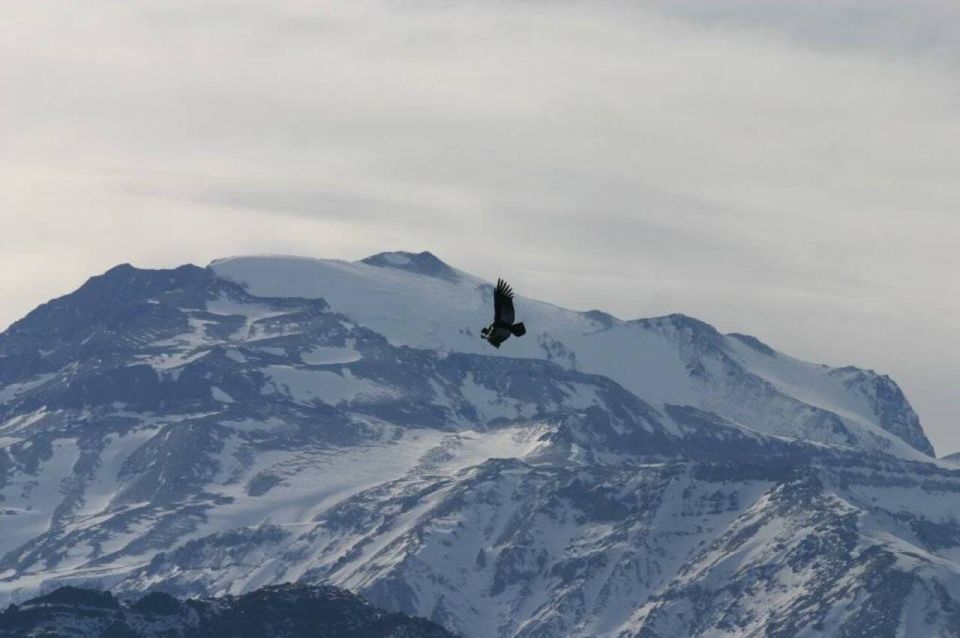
x=424 y=263
x=696 y=330
x=102 y=295
x=678 y=320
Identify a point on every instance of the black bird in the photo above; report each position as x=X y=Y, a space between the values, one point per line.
x=502 y=326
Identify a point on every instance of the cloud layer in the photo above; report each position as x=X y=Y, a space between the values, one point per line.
x=780 y=168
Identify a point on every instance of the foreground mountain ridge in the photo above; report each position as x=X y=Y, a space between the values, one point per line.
x=206 y=431
x=280 y=611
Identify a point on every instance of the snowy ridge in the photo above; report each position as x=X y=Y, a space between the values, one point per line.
x=669 y=360
x=274 y=420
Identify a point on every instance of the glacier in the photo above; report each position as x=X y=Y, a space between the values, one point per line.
x=272 y=419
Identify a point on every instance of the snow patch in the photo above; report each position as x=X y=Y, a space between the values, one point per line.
x=220 y=395
x=307 y=386
x=329 y=355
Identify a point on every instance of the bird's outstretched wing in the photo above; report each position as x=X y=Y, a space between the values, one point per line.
x=503 y=303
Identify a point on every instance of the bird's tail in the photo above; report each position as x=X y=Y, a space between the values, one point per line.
x=518 y=329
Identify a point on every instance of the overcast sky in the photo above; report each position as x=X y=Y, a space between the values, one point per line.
x=787 y=169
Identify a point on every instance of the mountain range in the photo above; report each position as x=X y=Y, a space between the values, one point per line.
x=270 y=420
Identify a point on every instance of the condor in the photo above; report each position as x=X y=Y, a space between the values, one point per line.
x=503 y=316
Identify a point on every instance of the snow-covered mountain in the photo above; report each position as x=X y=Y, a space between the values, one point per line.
x=207 y=431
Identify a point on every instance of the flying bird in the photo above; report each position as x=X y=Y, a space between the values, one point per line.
x=503 y=316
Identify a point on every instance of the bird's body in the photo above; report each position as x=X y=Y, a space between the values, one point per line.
x=503 y=316
x=496 y=334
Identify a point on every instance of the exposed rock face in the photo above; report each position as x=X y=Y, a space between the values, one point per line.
x=209 y=431
x=281 y=611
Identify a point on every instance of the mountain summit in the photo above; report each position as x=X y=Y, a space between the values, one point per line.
x=424 y=263
x=674 y=359
x=269 y=420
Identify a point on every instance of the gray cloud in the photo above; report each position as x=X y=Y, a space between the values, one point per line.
x=781 y=168
x=890 y=27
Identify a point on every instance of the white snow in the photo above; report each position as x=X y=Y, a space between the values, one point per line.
x=397 y=259
x=11 y=391
x=306 y=386
x=34 y=499
x=646 y=358
x=102 y=488
x=21 y=424
x=188 y=346
x=220 y=395
x=329 y=355
x=312 y=480
x=235 y=355
x=490 y=405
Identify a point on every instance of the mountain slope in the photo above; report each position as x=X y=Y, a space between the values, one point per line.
x=272 y=420
x=284 y=611
x=675 y=359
